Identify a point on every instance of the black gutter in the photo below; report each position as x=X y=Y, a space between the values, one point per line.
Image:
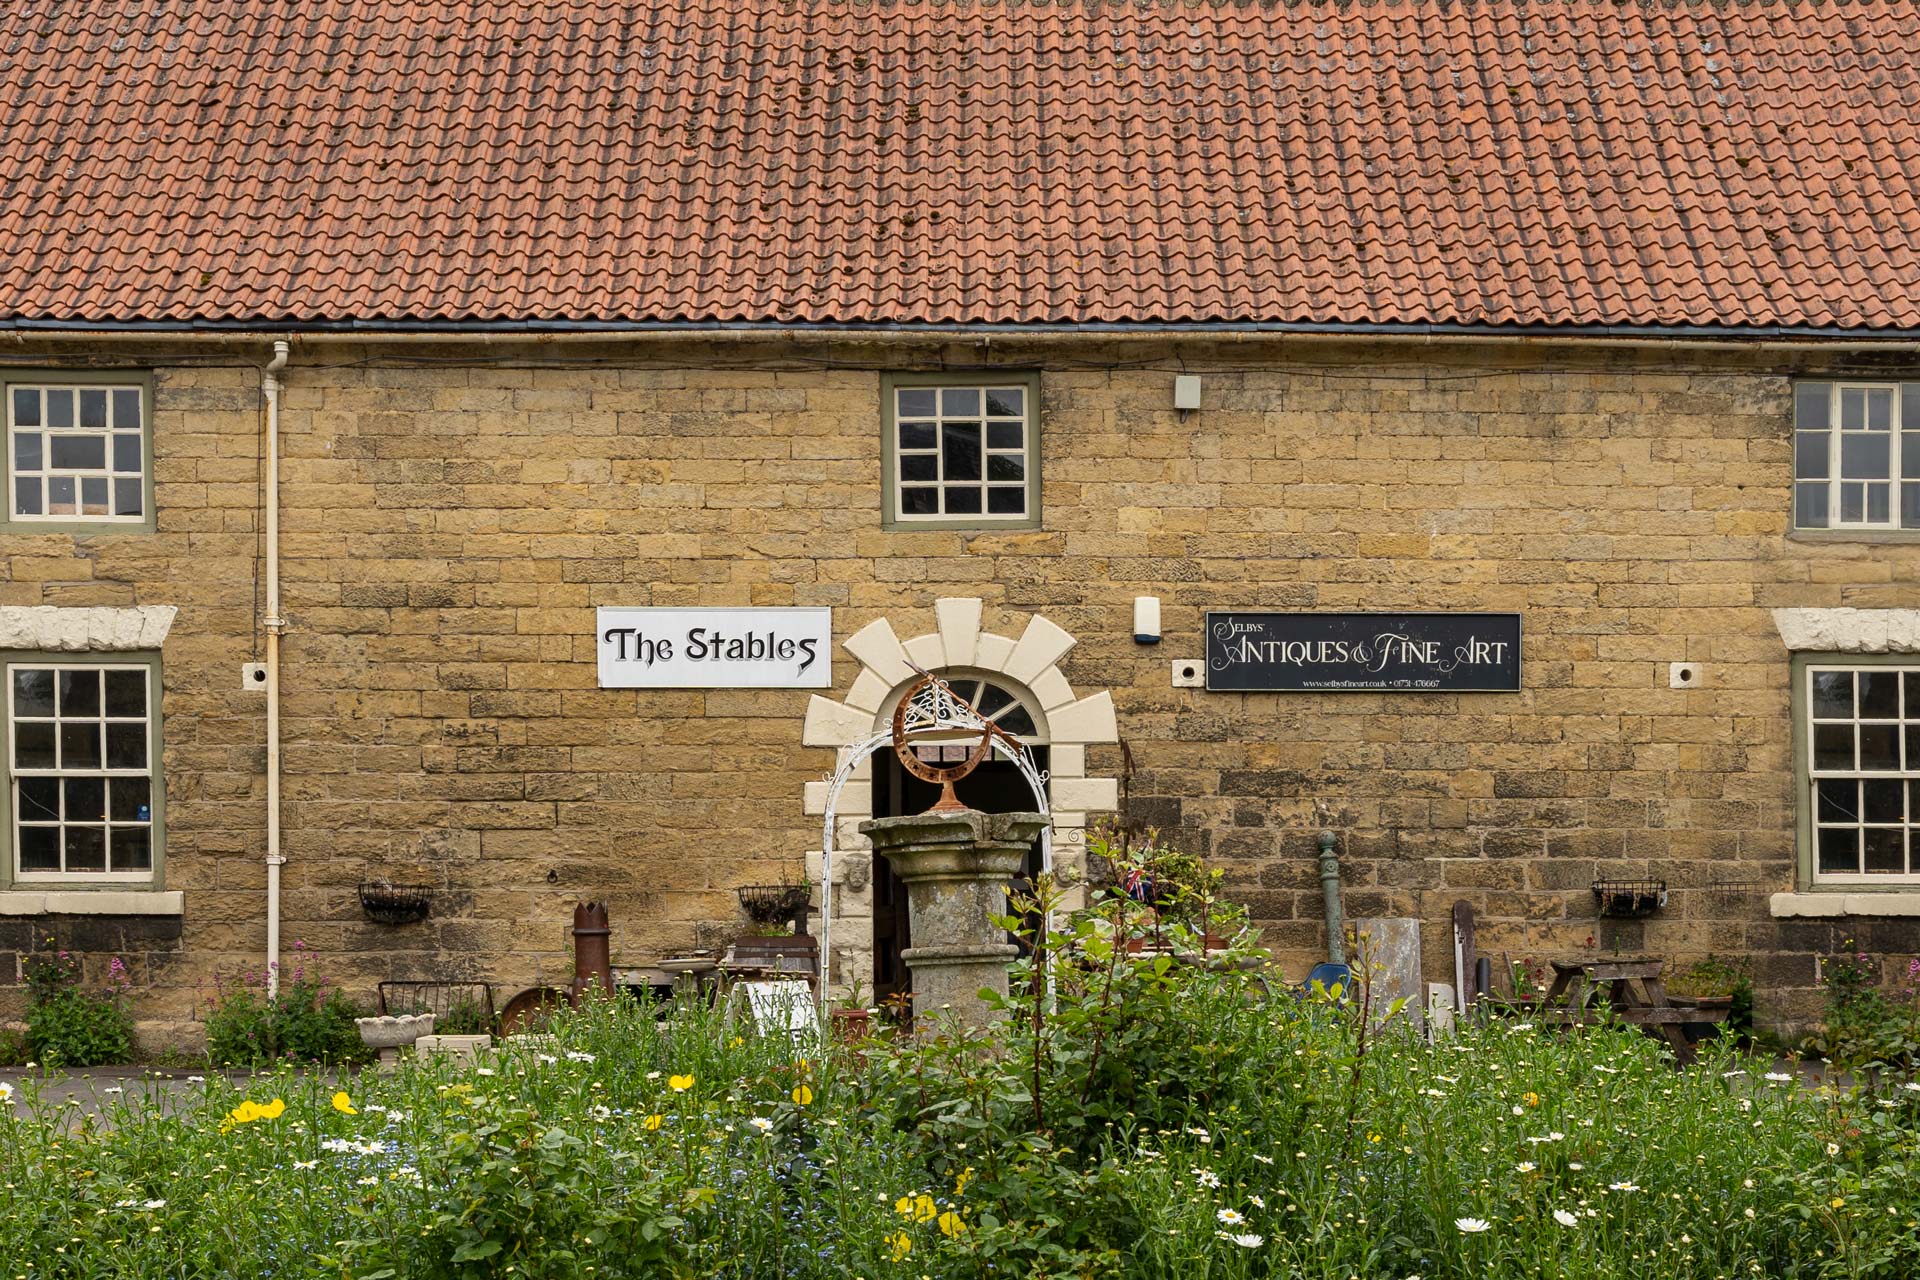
x=1654 y=333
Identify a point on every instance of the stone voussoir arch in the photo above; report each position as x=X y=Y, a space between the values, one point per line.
x=1069 y=723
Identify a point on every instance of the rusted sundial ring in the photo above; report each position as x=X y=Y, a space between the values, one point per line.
x=944 y=775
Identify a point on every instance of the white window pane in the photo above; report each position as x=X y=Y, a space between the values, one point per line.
x=1810 y=505
x=1865 y=457
x=84 y=436
x=1853 y=409
x=1880 y=409
x=1811 y=450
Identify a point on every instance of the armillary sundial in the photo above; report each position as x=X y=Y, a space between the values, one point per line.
x=930 y=707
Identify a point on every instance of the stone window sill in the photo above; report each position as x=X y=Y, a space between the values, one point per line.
x=1833 y=906
x=92 y=902
x=1883 y=536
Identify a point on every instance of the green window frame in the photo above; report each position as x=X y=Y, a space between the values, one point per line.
x=949 y=459
x=1856 y=456
x=1856 y=765
x=21 y=811
x=41 y=406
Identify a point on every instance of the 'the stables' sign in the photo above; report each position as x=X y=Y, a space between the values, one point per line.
x=1392 y=652
x=715 y=648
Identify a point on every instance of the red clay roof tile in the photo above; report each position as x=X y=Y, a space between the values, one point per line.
x=1394 y=161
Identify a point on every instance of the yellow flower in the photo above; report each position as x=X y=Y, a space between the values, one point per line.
x=653 y=1122
x=1531 y=1099
x=920 y=1208
x=952 y=1224
x=1835 y=1203
x=344 y=1105
x=802 y=1094
x=680 y=1084
x=902 y=1245
x=249 y=1111
x=736 y=1042
x=960 y=1182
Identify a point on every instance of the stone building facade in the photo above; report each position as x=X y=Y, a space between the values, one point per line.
x=453 y=513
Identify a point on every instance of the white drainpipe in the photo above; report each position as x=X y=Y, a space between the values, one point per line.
x=274 y=623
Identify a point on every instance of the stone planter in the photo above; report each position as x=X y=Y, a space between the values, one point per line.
x=393 y=1032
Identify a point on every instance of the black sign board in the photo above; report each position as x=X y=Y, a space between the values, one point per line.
x=1391 y=652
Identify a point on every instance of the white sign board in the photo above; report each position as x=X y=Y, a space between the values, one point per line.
x=715 y=648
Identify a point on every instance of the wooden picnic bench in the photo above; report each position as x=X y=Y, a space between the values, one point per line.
x=1569 y=1001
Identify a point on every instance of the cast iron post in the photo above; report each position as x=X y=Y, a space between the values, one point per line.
x=1330 y=890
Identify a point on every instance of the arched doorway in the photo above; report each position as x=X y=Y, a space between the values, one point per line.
x=998 y=785
x=1029 y=663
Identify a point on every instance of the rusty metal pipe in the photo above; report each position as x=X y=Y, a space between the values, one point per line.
x=592 y=954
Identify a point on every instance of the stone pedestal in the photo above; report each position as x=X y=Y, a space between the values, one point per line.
x=956 y=864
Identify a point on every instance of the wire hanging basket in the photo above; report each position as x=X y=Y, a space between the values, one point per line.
x=386 y=903
x=1629 y=899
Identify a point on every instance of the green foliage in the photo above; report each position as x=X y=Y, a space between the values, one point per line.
x=68 y=1026
x=307 y=1020
x=1868 y=1024
x=1167 y=1113
x=13 y=1047
x=519 y=1197
x=1714 y=977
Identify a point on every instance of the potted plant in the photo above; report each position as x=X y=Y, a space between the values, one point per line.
x=851 y=1019
x=1714 y=984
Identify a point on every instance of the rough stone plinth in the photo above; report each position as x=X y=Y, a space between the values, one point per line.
x=956 y=864
x=1391 y=949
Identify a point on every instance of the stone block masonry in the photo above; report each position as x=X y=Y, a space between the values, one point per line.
x=452 y=517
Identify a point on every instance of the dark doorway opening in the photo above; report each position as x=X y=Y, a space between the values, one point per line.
x=995 y=787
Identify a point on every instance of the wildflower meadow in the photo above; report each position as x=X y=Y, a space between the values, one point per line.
x=1138 y=1112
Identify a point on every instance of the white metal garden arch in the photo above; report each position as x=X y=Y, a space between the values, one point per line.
x=934 y=709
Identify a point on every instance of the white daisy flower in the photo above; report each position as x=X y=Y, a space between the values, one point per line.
x=1525 y=1166
x=1621 y=1186
x=1229 y=1218
x=1778 y=1077
x=1248 y=1240
x=1472 y=1226
x=155 y=1204
x=1565 y=1219
x=575 y=1055
x=1206 y=1177
x=761 y=1123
